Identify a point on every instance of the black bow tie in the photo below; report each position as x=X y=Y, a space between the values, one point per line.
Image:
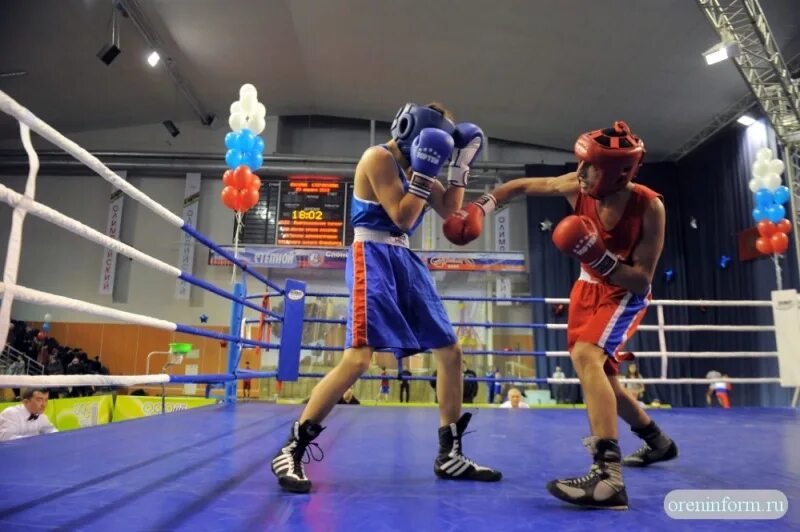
x=33 y=417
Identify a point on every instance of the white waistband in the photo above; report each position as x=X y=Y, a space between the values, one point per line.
x=364 y=234
x=586 y=276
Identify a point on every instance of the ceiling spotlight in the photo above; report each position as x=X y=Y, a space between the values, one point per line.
x=171 y=127
x=153 y=59
x=721 y=52
x=111 y=50
x=746 y=120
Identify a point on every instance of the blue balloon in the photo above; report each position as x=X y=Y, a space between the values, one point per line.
x=775 y=213
x=259 y=145
x=232 y=140
x=723 y=261
x=781 y=195
x=233 y=158
x=246 y=139
x=759 y=214
x=669 y=275
x=763 y=198
x=255 y=160
x=45 y=327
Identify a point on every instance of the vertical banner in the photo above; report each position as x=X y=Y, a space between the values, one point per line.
x=786 y=313
x=108 y=267
x=501 y=243
x=191 y=205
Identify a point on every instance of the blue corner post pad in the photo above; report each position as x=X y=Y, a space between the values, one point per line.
x=237 y=312
x=293 y=313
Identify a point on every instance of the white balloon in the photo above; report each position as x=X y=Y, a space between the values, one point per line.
x=249 y=103
x=772 y=182
x=256 y=124
x=47 y=317
x=236 y=107
x=248 y=88
x=760 y=168
x=764 y=154
x=776 y=166
x=237 y=121
x=754 y=185
x=260 y=110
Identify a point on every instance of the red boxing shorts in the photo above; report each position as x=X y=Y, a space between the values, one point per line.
x=603 y=315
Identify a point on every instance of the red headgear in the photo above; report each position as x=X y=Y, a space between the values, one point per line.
x=616 y=154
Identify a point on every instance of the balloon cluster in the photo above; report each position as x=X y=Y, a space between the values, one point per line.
x=45 y=327
x=770 y=196
x=245 y=151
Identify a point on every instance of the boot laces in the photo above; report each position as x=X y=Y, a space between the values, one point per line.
x=593 y=473
x=642 y=451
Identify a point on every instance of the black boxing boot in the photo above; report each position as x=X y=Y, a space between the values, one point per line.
x=451 y=464
x=658 y=447
x=602 y=487
x=288 y=463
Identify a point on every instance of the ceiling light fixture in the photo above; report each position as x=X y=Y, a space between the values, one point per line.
x=111 y=50
x=746 y=120
x=153 y=59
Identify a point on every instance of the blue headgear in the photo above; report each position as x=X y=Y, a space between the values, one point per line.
x=411 y=119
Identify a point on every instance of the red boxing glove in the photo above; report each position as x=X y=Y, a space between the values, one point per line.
x=577 y=236
x=465 y=225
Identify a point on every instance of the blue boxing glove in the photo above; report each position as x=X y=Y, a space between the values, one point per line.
x=429 y=151
x=468 y=139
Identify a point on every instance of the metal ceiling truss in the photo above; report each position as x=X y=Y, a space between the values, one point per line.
x=761 y=64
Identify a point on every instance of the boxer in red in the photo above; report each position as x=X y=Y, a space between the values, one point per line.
x=617 y=233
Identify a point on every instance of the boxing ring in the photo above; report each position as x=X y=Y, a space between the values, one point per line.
x=208 y=468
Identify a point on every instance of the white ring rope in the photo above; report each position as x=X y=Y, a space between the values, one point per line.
x=44 y=298
x=686 y=303
x=673 y=328
x=11 y=107
x=15 y=235
x=676 y=354
x=18 y=201
x=55 y=381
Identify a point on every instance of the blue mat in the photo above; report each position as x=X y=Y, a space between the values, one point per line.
x=208 y=469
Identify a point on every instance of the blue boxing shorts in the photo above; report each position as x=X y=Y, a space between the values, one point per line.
x=393 y=303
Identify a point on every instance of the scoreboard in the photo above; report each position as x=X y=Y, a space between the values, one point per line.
x=301 y=211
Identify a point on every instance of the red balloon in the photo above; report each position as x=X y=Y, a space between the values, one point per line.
x=229 y=197
x=766 y=228
x=41 y=336
x=784 y=226
x=227 y=178
x=256 y=182
x=764 y=246
x=241 y=176
x=251 y=197
x=780 y=242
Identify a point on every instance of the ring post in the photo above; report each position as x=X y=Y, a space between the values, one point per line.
x=292 y=334
x=234 y=347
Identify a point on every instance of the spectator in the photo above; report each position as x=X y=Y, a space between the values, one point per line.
x=246 y=383
x=405 y=387
x=636 y=389
x=470 y=387
x=16 y=368
x=514 y=400
x=384 y=392
x=27 y=419
x=559 y=389
x=349 y=398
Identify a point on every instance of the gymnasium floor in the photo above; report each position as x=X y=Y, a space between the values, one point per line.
x=208 y=469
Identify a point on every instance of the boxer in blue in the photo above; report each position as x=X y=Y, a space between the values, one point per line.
x=393 y=303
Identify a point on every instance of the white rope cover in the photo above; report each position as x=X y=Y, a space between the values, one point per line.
x=44 y=298
x=74 y=226
x=742 y=380
x=9 y=106
x=56 y=381
x=673 y=328
x=687 y=354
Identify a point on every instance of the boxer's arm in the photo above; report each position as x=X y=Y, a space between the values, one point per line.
x=446 y=201
x=564 y=185
x=381 y=171
x=637 y=277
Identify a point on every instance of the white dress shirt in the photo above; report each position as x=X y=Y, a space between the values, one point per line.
x=522 y=404
x=15 y=423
